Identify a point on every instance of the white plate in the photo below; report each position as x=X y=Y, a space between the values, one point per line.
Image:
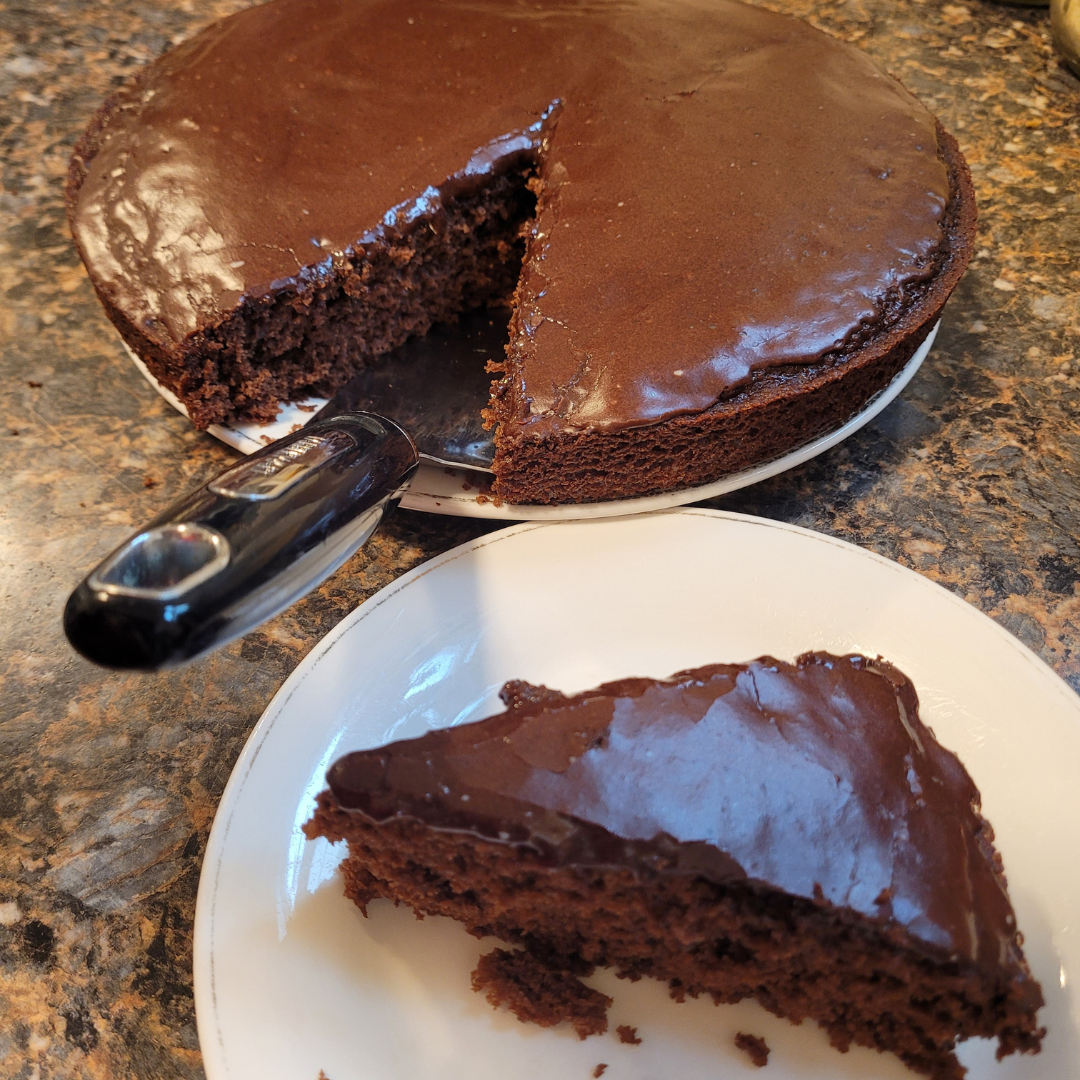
x=291 y=979
x=443 y=491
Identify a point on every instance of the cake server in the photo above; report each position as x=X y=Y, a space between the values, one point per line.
x=268 y=530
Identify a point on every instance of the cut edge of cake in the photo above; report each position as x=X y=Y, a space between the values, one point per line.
x=780 y=410
x=424 y=265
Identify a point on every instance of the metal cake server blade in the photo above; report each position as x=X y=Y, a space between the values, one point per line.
x=435 y=387
x=268 y=530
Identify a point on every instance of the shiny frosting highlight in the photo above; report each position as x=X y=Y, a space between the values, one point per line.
x=725 y=189
x=818 y=779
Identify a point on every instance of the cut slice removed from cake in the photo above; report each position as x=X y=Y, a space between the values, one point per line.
x=790 y=833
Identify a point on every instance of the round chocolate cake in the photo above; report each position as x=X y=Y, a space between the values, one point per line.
x=722 y=231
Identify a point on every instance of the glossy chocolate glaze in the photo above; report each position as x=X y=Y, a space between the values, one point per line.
x=816 y=778
x=725 y=189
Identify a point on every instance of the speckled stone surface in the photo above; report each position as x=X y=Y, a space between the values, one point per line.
x=111 y=781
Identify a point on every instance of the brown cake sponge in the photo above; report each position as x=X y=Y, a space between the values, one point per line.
x=537 y=993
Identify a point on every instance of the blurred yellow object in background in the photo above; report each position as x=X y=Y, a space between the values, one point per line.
x=1065 y=24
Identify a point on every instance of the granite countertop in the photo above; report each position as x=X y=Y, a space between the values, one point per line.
x=112 y=780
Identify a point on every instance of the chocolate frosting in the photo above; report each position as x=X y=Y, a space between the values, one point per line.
x=725 y=189
x=818 y=779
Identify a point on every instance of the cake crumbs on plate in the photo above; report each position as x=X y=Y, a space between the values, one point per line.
x=628 y=1035
x=538 y=994
x=600 y=1069
x=755 y=1046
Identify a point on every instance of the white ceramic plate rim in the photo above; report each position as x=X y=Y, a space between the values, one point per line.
x=929 y=595
x=441 y=491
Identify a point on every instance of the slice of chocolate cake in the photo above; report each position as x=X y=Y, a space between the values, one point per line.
x=789 y=833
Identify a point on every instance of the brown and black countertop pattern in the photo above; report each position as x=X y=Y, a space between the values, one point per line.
x=110 y=781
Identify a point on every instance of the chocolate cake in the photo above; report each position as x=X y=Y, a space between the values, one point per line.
x=735 y=229
x=791 y=833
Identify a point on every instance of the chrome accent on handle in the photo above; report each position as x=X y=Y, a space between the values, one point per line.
x=163 y=563
x=271 y=476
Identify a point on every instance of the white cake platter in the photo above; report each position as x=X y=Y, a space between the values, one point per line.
x=290 y=979
x=438 y=490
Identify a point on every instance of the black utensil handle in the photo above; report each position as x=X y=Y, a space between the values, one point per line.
x=244 y=547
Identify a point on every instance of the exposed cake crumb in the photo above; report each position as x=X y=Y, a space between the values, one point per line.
x=628 y=1034
x=538 y=994
x=756 y=1047
x=600 y=1069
